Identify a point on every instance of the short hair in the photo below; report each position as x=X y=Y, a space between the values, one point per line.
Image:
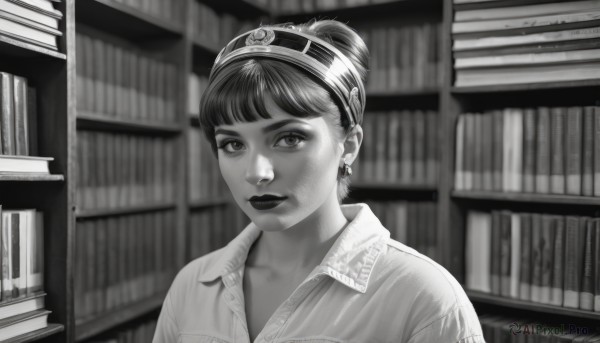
x=237 y=93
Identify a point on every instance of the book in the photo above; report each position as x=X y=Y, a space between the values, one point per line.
x=23 y=323
x=21 y=126
x=496 y=251
x=7 y=114
x=547 y=248
x=462 y=44
x=586 y=296
x=24 y=164
x=527 y=59
x=529 y=140
x=28 y=30
x=21 y=9
x=44 y=6
x=479 y=234
x=23 y=305
x=596 y=265
x=536 y=257
x=574 y=241
x=596 y=151
x=459 y=159
x=559 y=261
x=525 y=257
x=542 y=151
x=515 y=255
x=557 y=139
x=573 y=150
x=525 y=10
x=527 y=74
x=587 y=169
x=524 y=23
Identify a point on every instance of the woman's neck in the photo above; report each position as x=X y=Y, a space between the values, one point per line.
x=302 y=246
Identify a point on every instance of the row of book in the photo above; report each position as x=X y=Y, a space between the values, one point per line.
x=17 y=115
x=213 y=28
x=543 y=258
x=119 y=81
x=167 y=10
x=543 y=150
x=35 y=22
x=399 y=146
x=403 y=58
x=124 y=259
x=306 y=6
x=197 y=84
x=137 y=333
x=213 y=228
x=22 y=304
x=413 y=223
x=116 y=170
x=501 y=329
x=527 y=43
x=204 y=176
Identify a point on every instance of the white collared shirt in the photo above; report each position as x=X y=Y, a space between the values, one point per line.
x=368 y=288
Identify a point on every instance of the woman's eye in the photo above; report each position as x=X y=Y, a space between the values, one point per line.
x=231 y=146
x=290 y=140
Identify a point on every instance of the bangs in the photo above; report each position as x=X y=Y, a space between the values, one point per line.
x=239 y=92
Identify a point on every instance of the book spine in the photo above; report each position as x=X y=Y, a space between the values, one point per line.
x=525 y=257
x=597 y=151
x=587 y=182
x=529 y=140
x=559 y=261
x=496 y=252
x=515 y=252
x=586 y=297
x=557 y=167
x=498 y=150
x=7 y=114
x=547 y=249
x=536 y=257
x=596 y=265
x=573 y=263
x=573 y=151
x=21 y=117
x=460 y=157
x=542 y=151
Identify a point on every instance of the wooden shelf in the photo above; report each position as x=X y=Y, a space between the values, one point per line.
x=90 y=327
x=94 y=121
x=404 y=93
x=38 y=334
x=30 y=177
x=239 y=8
x=530 y=306
x=525 y=87
x=109 y=212
x=16 y=48
x=391 y=186
x=387 y=8
x=201 y=204
x=527 y=197
x=125 y=21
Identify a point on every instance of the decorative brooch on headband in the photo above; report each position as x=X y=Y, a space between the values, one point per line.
x=312 y=54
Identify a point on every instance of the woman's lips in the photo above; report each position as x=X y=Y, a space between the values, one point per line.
x=266 y=202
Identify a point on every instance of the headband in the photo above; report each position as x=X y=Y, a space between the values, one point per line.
x=310 y=53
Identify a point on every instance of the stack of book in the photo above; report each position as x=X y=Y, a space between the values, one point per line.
x=500 y=329
x=547 y=42
x=532 y=150
x=167 y=10
x=116 y=170
x=22 y=304
x=205 y=181
x=403 y=58
x=212 y=228
x=31 y=21
x=304 y=6
x=115 y=80
x=215 y=29
x=543 y=258
x=400 y=147
x=123 y=260
x=18 y=131
x=413 y=223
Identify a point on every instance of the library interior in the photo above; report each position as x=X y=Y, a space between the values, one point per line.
x=481 y=151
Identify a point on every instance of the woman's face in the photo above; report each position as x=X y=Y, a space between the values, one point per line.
x=280 y=170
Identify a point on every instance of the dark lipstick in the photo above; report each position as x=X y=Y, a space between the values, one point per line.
x=266 y=202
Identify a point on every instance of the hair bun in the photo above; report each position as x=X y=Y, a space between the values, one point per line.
x=344 y=39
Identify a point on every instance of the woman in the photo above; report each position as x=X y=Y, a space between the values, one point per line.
x=283 y=111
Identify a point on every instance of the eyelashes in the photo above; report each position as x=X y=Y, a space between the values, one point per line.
x=288 y=140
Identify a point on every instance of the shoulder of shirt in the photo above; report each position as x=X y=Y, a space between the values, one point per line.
x=405 y=265
x=198 y=267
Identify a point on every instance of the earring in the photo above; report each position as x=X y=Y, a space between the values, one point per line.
x=346 y=170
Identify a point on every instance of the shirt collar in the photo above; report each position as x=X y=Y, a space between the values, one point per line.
x=350 y=260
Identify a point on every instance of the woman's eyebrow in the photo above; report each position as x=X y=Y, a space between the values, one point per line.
x=281 y=124
x=226 y=132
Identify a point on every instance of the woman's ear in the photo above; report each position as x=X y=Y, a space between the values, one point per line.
x=352 y=144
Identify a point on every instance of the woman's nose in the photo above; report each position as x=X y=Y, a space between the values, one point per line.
x=260 y=170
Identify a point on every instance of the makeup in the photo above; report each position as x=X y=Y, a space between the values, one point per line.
x=266 y=202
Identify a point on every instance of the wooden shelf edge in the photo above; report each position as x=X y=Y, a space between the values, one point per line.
x=109 y=212
x=490 y=299
x=31 y=177
x=200 y=204
x=88 y=120
x=24 y=48
x=91 y=327
x=404 y=93
x=341 y=11
x=125 y=10
x=525 y=87
x=51 y=329
x=392 y=186
x=527 y=197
